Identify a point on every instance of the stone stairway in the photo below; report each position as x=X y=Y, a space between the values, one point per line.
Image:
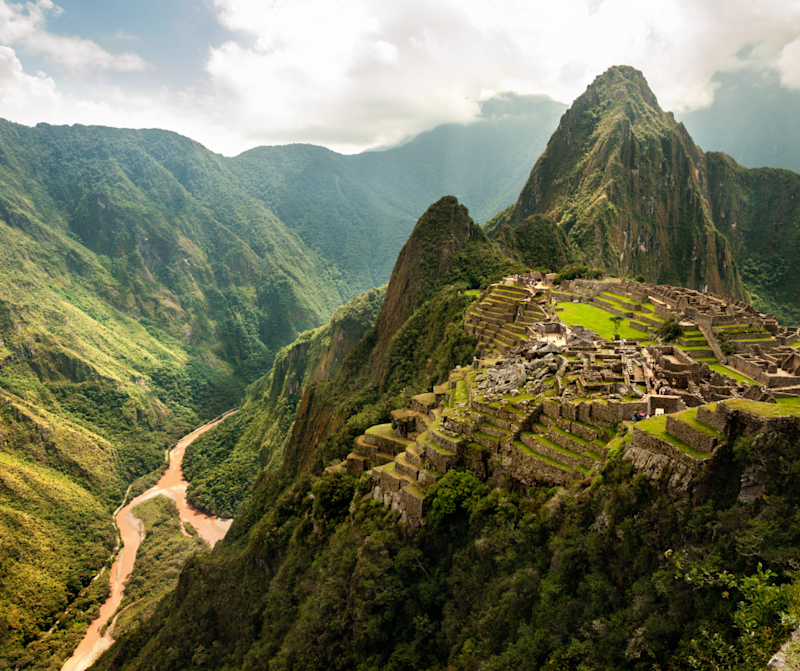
x=501 y=319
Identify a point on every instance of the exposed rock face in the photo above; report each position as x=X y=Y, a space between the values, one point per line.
x=440 y=234
x=629 y=188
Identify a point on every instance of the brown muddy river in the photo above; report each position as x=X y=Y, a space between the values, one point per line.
x=172 y=485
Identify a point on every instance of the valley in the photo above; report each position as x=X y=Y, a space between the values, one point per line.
x=171 y=485
x=515 y=452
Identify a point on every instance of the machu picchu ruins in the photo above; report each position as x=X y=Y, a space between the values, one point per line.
x=549 y=398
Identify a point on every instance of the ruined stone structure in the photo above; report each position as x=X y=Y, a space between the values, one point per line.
x=535 y=410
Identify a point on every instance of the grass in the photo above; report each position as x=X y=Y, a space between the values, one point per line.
x=689 y=417
x=724 y=370
x=657 y=427
x=385 y=431
x=596 y=319
x=764 y=409
x=795 y=344
x=794 y=401
x=527 y=450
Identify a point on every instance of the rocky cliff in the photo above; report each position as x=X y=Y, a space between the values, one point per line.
x=628 y=186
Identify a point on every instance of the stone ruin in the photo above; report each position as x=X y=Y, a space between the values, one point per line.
x=531 y=411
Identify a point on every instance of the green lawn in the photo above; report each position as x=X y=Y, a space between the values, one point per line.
x=794 y=401
x=795 y=344
x=595 y=318
x=764 y=409
x=724 y=370
x=657 y=426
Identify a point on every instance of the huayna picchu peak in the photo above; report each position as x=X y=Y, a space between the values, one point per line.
x=629 y=188
x=566 y=438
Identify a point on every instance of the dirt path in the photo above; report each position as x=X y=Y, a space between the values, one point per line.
x=211 y=529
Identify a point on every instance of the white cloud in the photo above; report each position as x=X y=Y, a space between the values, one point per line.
x=24 y=26
x=364 y=71
x=356 y=73
x=789 y=64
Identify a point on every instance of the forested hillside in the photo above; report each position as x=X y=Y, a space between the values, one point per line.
x=145 y=282
x=615 y=572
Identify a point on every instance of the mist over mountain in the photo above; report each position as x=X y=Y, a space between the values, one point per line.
x=753 y=119
x=145 y=282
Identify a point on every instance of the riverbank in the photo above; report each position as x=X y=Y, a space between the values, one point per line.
x=131 y=531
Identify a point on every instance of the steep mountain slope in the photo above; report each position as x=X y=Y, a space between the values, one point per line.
x=315 y=574
x=416 y=338
x=628 y=186
x=222 y=465
x=758 y=210
x=145 y=281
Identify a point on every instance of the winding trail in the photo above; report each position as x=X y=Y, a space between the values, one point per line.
x=211 y=529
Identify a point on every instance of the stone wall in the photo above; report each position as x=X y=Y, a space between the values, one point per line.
x=691 y=436
x=714 y=419
x=530 y=470
x=658 y=446
x=669 y=404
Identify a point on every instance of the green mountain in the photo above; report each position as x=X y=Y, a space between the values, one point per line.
x=222 y=465
x=144 y=282
x=625 y=183
x=632 y=194
x=316 y=574
x=484 y=164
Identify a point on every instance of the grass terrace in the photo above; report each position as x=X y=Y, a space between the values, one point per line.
x=792 y=401
x=724 y=370
x=596 y=319
x=763 y=409
x=657 y=427
x=690 y=417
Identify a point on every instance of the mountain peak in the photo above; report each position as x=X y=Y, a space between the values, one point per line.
x=628 y=186
x=622 y=83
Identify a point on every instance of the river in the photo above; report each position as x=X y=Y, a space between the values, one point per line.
x=211 y=529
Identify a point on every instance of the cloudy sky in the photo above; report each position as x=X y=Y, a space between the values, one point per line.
x=351 y=74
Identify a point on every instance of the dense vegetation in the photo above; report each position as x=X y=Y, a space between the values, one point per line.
x=159 y=560
x=222 y=464
x=586 y=578
x=145 y=282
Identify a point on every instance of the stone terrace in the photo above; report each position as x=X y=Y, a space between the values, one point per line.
x=530 y=411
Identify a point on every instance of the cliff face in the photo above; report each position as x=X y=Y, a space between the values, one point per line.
x=629 y=188
x=423 y=263
x=758 y=210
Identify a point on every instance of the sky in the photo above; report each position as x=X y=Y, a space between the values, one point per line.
x=356 y=74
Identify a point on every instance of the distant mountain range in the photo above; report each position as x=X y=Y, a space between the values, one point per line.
x=145 y=281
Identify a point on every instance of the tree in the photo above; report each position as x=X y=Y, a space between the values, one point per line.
x=616 y=320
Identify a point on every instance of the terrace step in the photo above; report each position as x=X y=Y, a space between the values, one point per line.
x=686 y=427
x=357 y=463
x=550 y=470
x=486 y=440
x=405 y=467
x=439 y=458
x=414 y=455
x=493 y=430
x=383 y=437
x=551 y=450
